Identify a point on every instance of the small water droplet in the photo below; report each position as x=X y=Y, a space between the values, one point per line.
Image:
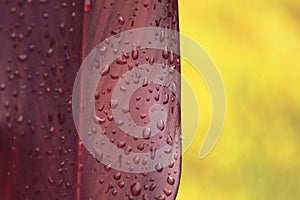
x=161 y=197
x=22 y=57
x=87 y=5
x=165 y=53
x=117 y=176
x=135 y=54
x=160 y=125
x=44 y=1
x=162 y=36
x=146 y=133
x=98 y=120
x=121 y=184
x=121 y=60
x=105 y=70
x=159 y=167
x=121 y=20
x=102 y=50
x=98 y=154
x=114 y=103
x=136 y=189
x=50 y=52
x=170 y=180
x=107 y=168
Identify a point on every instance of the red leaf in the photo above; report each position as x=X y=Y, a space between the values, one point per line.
x=43 y=45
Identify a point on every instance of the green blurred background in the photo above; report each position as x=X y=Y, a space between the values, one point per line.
x=256 y=46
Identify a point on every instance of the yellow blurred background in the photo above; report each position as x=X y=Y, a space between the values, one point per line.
x=256 y=47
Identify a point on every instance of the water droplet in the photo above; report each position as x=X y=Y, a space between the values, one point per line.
x=105 y=70
x=145 y=82
x=151 y=61
x=159 y=167
x=141 y=146
x=146 y=133
x=125 y=109
x=121 y=184
x=107 y=168
x=136 y=189
x=171 y=59
x=117 y=176
x=145 y=197
x=114 y=103
x=20 y=119
x=50 y=52
x=160 y=125
x=87 y=5
x=136 y=160
x=121 y=20
x=44 y=1
x=161 y=197
x=152 y=187
x=22 y=57
x=98 y=120
x=162 y=36
x=45 y=15
x=165 y=53
x=121 y=60
x=2 y=86
x=51 y=130
x=102 y=50
x=98 y=154
x=135 y=54
x=170 y=180
x=114 y=192
x=123 y=88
